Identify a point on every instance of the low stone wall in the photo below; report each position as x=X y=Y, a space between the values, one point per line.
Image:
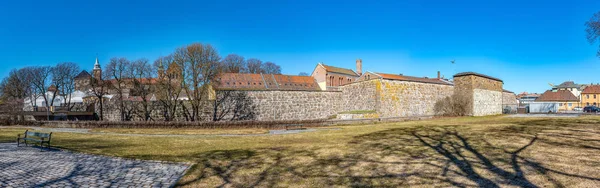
x=486 y=102
x=407 y=99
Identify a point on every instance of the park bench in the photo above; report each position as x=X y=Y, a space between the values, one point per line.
x=35 y=137
x=294 y=127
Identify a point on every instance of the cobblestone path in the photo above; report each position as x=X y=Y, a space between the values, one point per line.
x=30 y=167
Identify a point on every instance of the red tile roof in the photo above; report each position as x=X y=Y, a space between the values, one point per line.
x=340 y=70
x=591 y=89
x=412 y=79
x=240 y=81
x=560 y=95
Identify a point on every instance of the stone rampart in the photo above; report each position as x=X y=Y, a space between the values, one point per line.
x=407 y=99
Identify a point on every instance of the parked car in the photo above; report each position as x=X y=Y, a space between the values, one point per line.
x=578 y=109
x=591 y=109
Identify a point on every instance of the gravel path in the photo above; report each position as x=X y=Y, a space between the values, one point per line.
x=30 y=167
x=571 y=115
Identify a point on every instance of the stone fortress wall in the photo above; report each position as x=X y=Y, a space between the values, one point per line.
x=409 y=99
x=294 y=105
x=484 y=92
x=388 y=98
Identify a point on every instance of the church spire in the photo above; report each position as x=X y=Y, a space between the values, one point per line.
x=160 y=65
x=97 y=72
x=96 y=65
x=161 y=69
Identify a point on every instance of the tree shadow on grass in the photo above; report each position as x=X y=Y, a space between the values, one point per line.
x=412 y=156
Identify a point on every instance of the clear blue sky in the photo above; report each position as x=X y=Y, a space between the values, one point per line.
x=527 y=44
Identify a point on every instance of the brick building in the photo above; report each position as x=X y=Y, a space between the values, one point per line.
x=330 y=77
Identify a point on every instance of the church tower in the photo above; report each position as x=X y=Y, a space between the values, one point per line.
x=97 y=72
x=161 y=70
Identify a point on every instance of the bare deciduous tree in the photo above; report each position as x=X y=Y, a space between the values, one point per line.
x=233 y=106
x=63 y=77
x=200 y=66
x=118 y=71
x=98 y=88
x=168 y=88
x=270 y=68
x=13 y=91
x=143 y=86
x=254 y=66
x=593 y=30
x=234 y=63
x=41 y=79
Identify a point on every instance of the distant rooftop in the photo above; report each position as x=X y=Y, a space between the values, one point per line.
x=83 y=74
x=413 y=79
x=339 y=70
x=560 y=95
x=568 y=84
x=591 y=89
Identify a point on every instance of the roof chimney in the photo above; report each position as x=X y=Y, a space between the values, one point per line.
x=359 y=66
x=439 y=75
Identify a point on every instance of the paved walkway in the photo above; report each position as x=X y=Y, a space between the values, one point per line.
x=30 y=167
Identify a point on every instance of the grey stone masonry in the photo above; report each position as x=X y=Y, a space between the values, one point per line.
x=30 y=167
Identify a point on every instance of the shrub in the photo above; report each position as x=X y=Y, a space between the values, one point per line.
x=458 y=104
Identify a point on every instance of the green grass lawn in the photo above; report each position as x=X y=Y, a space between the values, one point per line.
x=10 y=134
x=463 y=152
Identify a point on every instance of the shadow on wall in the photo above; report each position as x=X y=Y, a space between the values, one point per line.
x=421 y=156
x=234 y=106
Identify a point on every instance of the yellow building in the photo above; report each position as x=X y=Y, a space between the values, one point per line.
x=591 y=96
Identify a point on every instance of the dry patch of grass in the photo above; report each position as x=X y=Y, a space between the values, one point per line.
x=448 y=152
x=10 y=134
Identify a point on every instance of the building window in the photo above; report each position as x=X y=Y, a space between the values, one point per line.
x=594 y=96
x=570 y=104
x=560 y=104
x=587 y=96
